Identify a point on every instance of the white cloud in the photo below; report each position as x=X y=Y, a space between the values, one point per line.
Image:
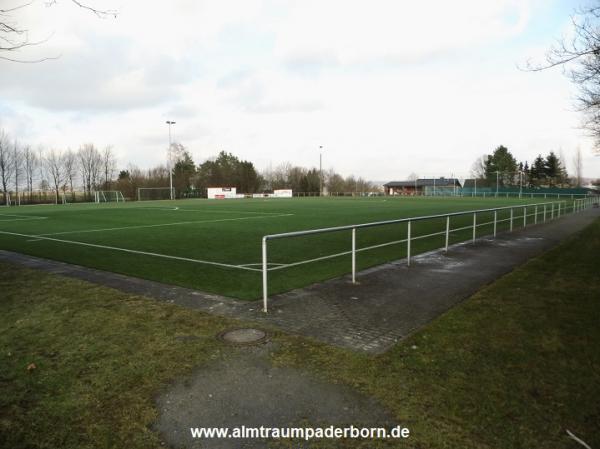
x=387 y=87
x=355 y=32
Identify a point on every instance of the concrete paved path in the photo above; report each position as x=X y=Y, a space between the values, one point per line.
x=390 y=302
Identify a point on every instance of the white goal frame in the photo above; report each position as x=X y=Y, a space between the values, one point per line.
x=100 y=196
x=171 y=193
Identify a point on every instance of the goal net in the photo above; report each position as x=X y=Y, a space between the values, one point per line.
x=109 y=196
x=154 y=193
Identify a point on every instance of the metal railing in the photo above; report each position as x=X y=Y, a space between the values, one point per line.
x=541 y=212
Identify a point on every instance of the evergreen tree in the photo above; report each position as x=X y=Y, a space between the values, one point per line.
x=228 y=171
x=310 y=182
x=500 y=164
x=553 y=170
x=526 y=175
x=183 y=174
x=538 y=172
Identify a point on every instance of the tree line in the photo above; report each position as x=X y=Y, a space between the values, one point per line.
x=501 y=168
x=29 y=172
x=227 y=170
x=40 y=174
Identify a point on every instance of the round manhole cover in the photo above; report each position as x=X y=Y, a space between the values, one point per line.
x=244 y=336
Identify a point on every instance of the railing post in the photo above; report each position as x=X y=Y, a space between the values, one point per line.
x=354 y=255
x=535 y=215
x=544 y=214
x=408 y=246
x=264 y=273
x=511 y=219
x=474 y=225
x=447 y=231
x=495 y=221
x=552 y=212
x=525 y=217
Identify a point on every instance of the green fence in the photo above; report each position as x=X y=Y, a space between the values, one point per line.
x=507 y=192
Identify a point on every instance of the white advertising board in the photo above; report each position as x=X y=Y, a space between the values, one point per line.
x=282 y=193
x=221 y=193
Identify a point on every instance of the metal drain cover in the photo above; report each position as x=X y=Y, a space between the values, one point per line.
x=243 y=336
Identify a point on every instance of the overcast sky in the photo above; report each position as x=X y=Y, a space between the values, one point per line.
x=387 y=87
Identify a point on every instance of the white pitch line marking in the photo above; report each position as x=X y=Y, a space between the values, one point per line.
x=155 y=208
x=259 y=264
x=132 y=251
x=85 y=231
x=218 y=211
x=20 y=217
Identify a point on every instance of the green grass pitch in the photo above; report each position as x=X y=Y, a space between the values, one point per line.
x=215 y=245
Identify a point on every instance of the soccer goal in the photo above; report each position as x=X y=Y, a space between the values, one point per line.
x=155 y=193
x=109 y=196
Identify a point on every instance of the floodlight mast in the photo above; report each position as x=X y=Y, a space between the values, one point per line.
x=169 y=122
x=520 y=183
x=497 y=181
x=320 y=170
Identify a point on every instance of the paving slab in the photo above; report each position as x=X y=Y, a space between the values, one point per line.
x=390 y=302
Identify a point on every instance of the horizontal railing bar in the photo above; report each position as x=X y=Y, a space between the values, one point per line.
x=381 y=245
x=401 y=220
x=293 y=264
x=461 y=229
x=424 y=236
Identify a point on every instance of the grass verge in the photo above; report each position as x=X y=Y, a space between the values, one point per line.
x=512 y=367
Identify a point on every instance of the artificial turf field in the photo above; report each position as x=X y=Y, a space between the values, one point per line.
x=215 y=246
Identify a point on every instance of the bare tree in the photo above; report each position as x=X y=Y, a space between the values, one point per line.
x=18 y=167
x=109 y=166
x=412 y=177
x=334 y=183
x=90 y=166
x=578 y=166
x=6 y=164
x=55 y=165
x=478 y=168
x=580 y=58
x=30 y=163
x=44 y=184
x=70 y=163
x=14 y=37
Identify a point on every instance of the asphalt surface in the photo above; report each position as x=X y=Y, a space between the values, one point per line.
x=244 y=389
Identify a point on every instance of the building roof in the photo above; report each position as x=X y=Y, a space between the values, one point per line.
x=470 y=183
x=426 y=182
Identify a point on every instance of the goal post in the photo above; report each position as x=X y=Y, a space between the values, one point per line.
x=155 y=193
x=109 y=196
